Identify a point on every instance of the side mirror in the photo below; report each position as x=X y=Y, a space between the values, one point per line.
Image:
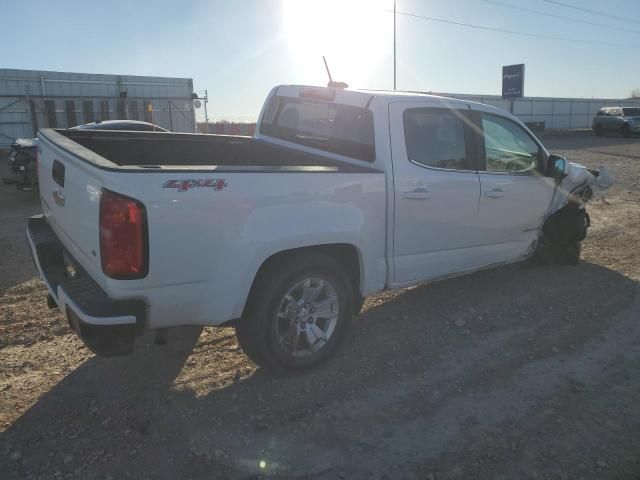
x=558 y=167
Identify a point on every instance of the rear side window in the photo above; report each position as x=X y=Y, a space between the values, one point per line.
x=631 y=112
x=335 y=128
x=436 y=138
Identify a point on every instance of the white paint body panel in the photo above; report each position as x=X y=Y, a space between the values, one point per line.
x=206 y=246
x=436 y=210
x=512 y=210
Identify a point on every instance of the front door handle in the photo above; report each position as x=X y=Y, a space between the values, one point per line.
x=417 y=194
x=494 y=193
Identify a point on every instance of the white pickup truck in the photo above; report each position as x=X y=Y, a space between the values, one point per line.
x=339 y=195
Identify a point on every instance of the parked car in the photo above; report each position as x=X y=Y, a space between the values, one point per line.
x=622 y=120
x=22 y=163
x=129 y=125
x=339 y=195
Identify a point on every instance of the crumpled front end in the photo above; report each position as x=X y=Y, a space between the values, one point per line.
x=567 y=223
x=582 y=184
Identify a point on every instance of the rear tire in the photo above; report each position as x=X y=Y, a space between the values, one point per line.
x=598 y=131
x=298 y=313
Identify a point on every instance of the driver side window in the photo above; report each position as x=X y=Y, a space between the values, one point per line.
x=508 y=147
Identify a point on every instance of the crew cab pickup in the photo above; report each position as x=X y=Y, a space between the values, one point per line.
x=340 y=194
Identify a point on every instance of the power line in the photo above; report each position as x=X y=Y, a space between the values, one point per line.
x=562 y=17
x=593 y=12
x=512 y=32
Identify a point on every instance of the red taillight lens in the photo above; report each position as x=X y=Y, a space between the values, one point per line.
x=123 y=236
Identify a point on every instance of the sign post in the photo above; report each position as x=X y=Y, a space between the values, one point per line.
x=513 y=82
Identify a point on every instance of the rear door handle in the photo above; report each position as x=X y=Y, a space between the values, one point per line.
x=58 y=197
x=417 y=194
x=494 y=193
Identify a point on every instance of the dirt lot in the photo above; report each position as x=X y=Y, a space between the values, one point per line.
x=520 y=372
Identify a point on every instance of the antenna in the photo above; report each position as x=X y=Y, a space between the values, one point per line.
x=326 y=65
x=331 y=83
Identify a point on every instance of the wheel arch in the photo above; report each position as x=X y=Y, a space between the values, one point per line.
x=346 y=254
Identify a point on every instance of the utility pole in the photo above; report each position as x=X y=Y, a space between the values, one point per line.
x=394 y=44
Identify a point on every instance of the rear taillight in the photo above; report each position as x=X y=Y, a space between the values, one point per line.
x=123 y=236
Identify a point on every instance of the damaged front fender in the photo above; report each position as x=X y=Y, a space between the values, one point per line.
x=582 y=184
x=567 y=221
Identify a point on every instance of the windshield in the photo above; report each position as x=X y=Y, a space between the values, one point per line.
x=631 y=112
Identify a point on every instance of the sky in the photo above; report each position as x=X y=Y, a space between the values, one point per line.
x=239 y=49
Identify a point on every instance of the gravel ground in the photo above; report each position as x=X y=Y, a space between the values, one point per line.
x=519 y=372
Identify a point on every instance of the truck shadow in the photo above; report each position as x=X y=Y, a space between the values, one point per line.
x=460 y=338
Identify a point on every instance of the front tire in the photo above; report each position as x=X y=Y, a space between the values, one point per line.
x=299 y=312
x=558 y=254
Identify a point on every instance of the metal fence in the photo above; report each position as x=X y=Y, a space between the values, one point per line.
x=31 y=99
x=556 y=113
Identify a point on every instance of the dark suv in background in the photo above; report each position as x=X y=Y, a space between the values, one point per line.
x=623 y=120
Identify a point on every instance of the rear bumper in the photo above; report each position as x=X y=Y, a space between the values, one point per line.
x=107 y=326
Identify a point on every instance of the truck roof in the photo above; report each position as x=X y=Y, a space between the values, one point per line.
x=362 y=97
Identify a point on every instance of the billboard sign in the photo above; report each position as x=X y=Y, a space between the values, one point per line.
x=513 y=81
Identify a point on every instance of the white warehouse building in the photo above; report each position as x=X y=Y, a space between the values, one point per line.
x=33 y=99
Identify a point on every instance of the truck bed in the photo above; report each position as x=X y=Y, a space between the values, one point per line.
x=243 y=201
x=159 y=149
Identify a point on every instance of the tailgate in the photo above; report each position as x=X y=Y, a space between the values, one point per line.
x=70 y=194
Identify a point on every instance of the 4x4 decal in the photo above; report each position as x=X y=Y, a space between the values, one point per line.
x=185 y=185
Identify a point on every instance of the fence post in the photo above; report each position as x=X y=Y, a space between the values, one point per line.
x=570 y=113
x=533 y=115
x=32 y=114
x=170 y=117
